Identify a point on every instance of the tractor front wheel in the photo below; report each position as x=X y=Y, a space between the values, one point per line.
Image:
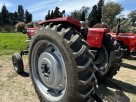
x=18 y=63
x=108 y=57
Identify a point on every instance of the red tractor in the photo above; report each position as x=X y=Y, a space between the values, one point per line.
x=127 y=42
x=64 y=57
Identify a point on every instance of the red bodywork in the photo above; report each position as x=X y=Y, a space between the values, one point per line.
x=94 y=36
x=31 y=31
x=127 y=39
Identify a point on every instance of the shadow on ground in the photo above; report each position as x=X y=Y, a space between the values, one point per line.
x=125 y=65
x=126 y=86
x=25 y=74
x=110 y=95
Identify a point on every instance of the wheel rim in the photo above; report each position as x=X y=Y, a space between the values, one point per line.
x=101 y=60
x=48 y=70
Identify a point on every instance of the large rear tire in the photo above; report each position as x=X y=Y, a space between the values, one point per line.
x=61 y=65
x=109 y=57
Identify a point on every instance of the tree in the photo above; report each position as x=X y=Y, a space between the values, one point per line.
x=83 y=16
x=79 y=14
x=52 y=14
x=20 y=13
x=49 y=15
x=28 y=17
x=11 y=18
x=96 y=14
x=132 y=17
x=15 y=18
x=93 y=16
x=63 y=13
x=100 y=10
x=0 y=19
x=4 y=16
x=46 y=17
x=57 y=13
x=110 y=12
x=125 y=26
x=76 y=14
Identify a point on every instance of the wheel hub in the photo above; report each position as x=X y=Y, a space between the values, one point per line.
x=50 y=70
x=45 y=70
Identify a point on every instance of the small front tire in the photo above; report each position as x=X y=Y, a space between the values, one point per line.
x=17 y=63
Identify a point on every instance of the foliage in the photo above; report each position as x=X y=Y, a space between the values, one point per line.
x=110 y=12
x=100 y=9
x=8 y=28
x=9 y=19
x=125 y=26
x=96 y=14
x=133 y=29
x=28 y=17
x=80 y=14
x=12 y=42
x=93 y=16
x=29 y=25
x=15 y=18
x=20 y=26
x=20 y=13
x=55 y=14
x=4 y=16
x=132 y=17
x=63 y=13
x=99 y=25
x=83 y=16
x=52 y=14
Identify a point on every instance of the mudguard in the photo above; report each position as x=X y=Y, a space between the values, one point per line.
x=95 y=36
x=69 y=20
x=72 y=21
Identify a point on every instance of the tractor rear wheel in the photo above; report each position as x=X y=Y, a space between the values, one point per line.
x=61 y=65
x=109 y=57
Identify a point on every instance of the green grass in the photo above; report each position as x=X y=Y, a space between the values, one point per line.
x=12 y=42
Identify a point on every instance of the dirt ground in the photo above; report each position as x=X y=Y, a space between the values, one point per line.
x=16 y=88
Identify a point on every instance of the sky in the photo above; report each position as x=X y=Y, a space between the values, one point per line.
x=39 y=8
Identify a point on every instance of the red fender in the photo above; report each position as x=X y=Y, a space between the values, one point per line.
x=74 y=22
x=95 y=36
